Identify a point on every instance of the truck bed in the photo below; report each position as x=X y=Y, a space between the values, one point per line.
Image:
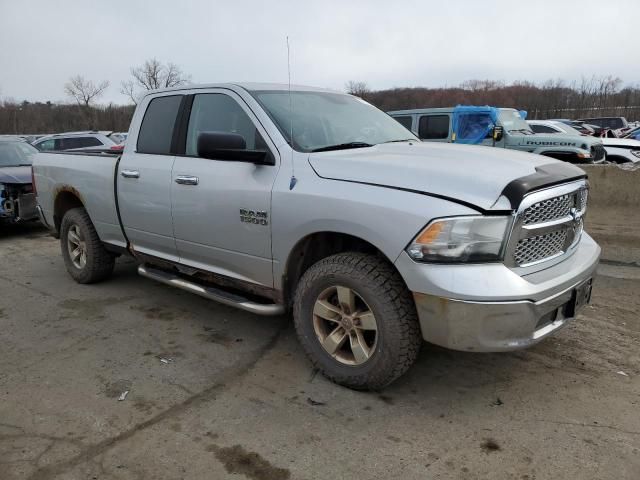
x=90 y=177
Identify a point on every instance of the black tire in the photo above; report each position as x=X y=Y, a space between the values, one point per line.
x=378 y=284
x=99 y=262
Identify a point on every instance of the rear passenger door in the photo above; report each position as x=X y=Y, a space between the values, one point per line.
x=144 y=179
x=435 y=128
x=222 y=214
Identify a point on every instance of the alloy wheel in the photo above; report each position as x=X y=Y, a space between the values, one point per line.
x=345 y=325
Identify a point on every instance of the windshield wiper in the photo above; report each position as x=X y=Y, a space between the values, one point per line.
x=342 y=146
x=401 y=140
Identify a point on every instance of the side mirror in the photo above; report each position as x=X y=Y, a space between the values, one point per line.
x=498 y=133
x=230 y=147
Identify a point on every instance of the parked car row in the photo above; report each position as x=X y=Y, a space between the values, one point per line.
x=612 y=127
x=573 y=141
x=619 y=150
x=498 y=127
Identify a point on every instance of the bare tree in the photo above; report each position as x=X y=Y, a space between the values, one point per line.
x=84 y=92
x=128 y=88
x=151 y=75
x=359 y=89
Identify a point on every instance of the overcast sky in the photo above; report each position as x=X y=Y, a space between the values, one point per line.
x=385 y=43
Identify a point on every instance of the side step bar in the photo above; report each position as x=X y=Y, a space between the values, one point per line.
x=211 y=293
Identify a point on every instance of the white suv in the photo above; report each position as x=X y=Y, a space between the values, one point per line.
x=74 y=141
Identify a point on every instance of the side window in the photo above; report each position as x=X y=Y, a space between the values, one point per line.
x=156 y=130
x=434 y=127
x=217 y=112
x=79 y=142
x=405 y=120
x=543 y=129
x=47 y=145
x=89 y=142
x=64 y=143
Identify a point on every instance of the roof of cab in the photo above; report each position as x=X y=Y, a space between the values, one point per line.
x=248 y=86
x=421 y=110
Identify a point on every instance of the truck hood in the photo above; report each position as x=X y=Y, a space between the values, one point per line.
x=553 y=140
x=21 y=175
x=474 y=175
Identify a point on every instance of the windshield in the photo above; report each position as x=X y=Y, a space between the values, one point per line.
x=511 y=120
x=322 y=120
x=13 y=154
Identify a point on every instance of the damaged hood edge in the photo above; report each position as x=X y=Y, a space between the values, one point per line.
x=15 y=175
x=470 y=175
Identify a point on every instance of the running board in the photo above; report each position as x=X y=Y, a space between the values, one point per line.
x=211 y=293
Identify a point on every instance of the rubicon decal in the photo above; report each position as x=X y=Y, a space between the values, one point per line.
x=547 y=143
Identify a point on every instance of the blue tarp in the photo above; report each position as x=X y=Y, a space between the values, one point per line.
x=473 y=124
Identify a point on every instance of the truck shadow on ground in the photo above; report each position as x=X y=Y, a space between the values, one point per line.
x=439 y=374
x=29 y=230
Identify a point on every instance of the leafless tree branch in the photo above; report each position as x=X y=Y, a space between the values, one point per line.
x=151 y=75
x=83 y=91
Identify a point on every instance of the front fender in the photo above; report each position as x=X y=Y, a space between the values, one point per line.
x=387 y=218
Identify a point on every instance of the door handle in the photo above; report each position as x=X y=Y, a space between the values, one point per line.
x=186 y=180
x=130 y=173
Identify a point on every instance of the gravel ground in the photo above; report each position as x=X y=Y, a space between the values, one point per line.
x=218 y=393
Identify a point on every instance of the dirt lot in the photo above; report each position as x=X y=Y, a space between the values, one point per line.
x=238 y=399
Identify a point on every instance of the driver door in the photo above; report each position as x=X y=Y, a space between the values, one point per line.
x=222 y=209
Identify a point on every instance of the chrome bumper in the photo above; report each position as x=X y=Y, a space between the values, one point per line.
x=491 y=308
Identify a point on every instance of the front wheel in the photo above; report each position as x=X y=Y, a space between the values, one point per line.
x=85 y=257
x=356 y=320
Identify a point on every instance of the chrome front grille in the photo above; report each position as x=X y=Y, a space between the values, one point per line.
x=550 y=209
x=534 y=249
x=547 y=224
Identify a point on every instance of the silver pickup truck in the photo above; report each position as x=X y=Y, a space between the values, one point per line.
x=270 y=200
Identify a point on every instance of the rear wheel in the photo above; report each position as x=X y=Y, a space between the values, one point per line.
x=85 y=257
x=356 y=320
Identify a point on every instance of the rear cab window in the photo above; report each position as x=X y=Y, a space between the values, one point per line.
x=156 y=130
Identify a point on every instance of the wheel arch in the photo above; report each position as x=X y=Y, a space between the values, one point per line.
x=66 y=198
x=318 y=245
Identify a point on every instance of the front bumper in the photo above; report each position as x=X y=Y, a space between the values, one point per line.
x=492 y=308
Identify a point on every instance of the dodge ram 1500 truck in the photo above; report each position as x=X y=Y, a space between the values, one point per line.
x=270 y=199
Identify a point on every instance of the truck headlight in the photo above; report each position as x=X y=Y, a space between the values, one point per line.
x=461 y=239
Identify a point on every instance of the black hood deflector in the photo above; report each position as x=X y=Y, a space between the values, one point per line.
x=545 y=176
